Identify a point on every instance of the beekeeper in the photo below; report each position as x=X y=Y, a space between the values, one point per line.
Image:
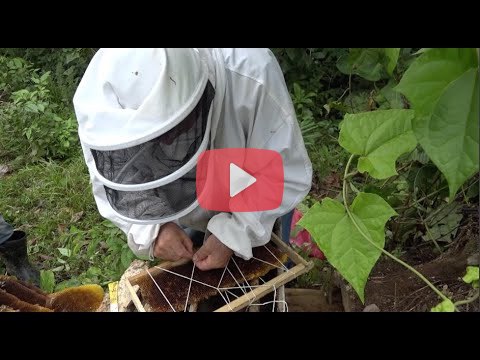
x=145 y=116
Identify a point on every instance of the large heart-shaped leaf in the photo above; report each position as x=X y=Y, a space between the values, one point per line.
x=427 y=77
x=380 y=137
x=450 y=135
x=344 y=246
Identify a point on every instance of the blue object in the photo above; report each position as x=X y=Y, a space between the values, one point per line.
x=286 y=225
x=286 y=222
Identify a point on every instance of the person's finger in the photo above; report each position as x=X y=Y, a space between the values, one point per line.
x=201 y=254
x=184 y=253
x=158 y=250
x=180 y=250
x=188 y=244
x=204 y=264
x=165 y=254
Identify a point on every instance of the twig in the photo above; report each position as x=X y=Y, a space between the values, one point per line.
x=467 y=301
x=346 y=90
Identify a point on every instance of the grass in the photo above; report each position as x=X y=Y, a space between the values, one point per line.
x=53 y=203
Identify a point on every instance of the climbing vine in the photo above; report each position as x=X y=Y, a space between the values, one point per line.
x=442 y=90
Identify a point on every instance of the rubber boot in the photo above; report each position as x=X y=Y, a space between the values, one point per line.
x=14 y=254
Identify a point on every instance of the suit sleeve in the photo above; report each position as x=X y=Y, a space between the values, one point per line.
x=274 y=129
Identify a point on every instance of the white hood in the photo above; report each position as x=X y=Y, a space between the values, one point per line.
x=130 y=96
x=127 y=104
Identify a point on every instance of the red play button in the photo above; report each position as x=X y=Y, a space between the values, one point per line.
x=240 y=180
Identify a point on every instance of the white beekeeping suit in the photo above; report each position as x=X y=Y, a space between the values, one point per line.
x=145 y=115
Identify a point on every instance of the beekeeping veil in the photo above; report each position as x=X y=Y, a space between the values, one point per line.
x=145 y=116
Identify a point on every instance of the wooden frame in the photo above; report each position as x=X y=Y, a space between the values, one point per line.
x=301 y=266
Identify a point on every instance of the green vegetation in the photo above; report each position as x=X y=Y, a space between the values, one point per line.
x=392 y=135
x=48 y=193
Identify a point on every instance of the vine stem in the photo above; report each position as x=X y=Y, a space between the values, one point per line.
x=350 y=215
x=468 y=301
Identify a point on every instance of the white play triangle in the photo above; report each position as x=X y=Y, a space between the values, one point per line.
x=239 y=180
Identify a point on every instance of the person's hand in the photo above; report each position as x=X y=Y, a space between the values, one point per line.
x=172 y=243
x=212 y=255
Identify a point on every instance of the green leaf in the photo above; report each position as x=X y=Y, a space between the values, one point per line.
x=380 y=137
x=443 y=222
x=367 y=63
x=291 y=53
x=297 y=90
x=343 y=245
x=65 y=252
x=450 y=135
x=31 y=107
x=93 y=271
x=472 y=276
x=69 y=71
x=17 y=62
x=45 y=76
x=392 y=59
x=421 y=51
x=427 y=77
x=28 y=133
x=47 y=280
x=388 y=98
x=126 y=258
x=444 y=306
x=71 y=56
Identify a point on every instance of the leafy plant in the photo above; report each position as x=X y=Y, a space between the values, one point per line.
x=471 y=277
x=35 y=125
x=353 y=236
x=442 y=86
x=313 y=70
x=47 y=281
x=14 y=74
x=102 y=244
x=370 y=64
x=66 y=65
x=303 y=102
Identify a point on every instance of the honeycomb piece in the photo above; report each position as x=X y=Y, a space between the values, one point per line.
x=176 y=288
x=84 y=298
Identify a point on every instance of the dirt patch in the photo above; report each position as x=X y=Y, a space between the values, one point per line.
x=312 y=300
x=395 y=289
